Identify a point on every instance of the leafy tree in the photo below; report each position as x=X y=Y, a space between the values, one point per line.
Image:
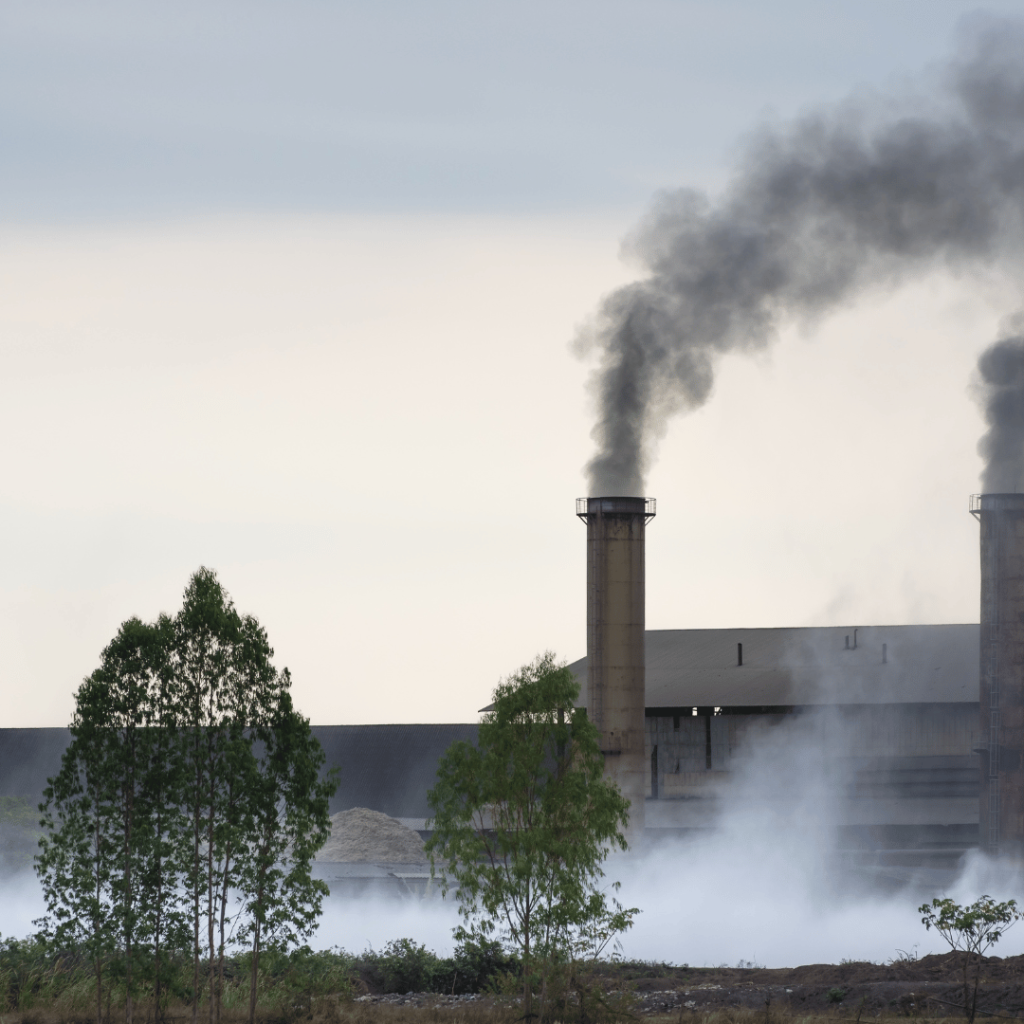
x=76 y=859
x=124 y=690
x=189 y=776
x=523 y=823
x=159 y=882
x=288 y=820
x=97 y=861
x=211 y=646
x=970 y=931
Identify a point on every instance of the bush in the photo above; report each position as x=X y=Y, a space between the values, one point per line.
x=835 y=995
x=478 y=965
x=408 y=967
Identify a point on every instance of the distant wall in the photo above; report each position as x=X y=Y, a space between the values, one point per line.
x=387 y=768
x=28 y=757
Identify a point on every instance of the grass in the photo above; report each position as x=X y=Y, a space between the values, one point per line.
x=40 y=985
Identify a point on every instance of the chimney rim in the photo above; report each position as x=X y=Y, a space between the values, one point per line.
x=997 y=501
x=623 y=505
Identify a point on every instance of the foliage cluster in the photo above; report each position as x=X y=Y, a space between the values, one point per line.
x=34 y=975
x=187 y=809
x=17 y=811
x=405 y=966
x=970 y=931
x=523 y=823
x=19 y=833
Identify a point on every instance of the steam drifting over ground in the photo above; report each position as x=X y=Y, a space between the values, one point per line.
x=864 y=195
x=767 y=885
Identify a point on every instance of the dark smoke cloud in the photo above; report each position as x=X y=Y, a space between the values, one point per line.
x=864 y=195
x=1001 y=369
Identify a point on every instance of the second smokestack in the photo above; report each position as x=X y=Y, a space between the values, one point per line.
x=1002 y=672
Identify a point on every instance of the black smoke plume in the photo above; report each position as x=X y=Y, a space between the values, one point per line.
x=864 y=195
x=1001 y=369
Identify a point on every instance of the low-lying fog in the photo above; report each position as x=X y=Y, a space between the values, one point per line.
x=757 y=899
x=767 y=886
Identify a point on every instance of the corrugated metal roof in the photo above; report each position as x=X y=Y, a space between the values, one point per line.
x=809 y=665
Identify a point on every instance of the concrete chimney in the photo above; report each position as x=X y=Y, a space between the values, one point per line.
x=1002 y=672
x=615 y=640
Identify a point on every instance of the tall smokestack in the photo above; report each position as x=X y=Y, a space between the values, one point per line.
x=615 y=640
x=1002 y=672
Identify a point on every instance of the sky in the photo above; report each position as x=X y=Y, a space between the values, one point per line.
x=290 y=291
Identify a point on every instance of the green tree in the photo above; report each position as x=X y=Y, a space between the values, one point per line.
x=226 y=688
x=523 y=823
x=288 y=821
x=125 y=689
x=188 y=775
x=970 y=931
x=159 y=883
x=76 y=861
x=97 y=859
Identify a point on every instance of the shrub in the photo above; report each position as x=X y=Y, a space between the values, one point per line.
x=408 y=967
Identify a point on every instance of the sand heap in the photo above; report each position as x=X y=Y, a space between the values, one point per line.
x=362 y=835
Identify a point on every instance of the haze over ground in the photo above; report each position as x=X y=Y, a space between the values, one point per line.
x=290 y=292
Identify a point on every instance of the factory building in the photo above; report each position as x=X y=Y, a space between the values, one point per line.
x=883 y=721
x=910 y=738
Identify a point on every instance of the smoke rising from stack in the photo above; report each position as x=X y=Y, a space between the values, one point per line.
x=1001 y=369
x=867 y=194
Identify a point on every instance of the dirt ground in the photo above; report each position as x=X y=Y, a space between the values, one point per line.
x=930 y=987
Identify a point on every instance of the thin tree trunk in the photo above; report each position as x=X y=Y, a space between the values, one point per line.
x=197 y=818
x=255 y=971
x=157 y=1016
x=977 y=979
x=129 y=906
x=96 y=925
x=967 y=991
x=211 y=916
x=527 y=980
x=158 y=923
x=99 y=990
x=223 y=923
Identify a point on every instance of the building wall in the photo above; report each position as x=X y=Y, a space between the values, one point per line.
x=896 y=775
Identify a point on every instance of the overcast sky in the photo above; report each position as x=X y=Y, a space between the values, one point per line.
x=289 y=290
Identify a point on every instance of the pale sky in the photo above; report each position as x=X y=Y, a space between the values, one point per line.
x=289 y=290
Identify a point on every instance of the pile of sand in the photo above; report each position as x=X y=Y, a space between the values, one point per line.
x=362 y=835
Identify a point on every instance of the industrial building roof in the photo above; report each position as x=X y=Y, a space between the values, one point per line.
x=815 y=665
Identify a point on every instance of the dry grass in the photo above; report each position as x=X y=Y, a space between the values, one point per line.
x=332 y=1010
x=328 y=1010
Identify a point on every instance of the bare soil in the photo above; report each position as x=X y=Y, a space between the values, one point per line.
x=926 y=989
x=929 y=987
